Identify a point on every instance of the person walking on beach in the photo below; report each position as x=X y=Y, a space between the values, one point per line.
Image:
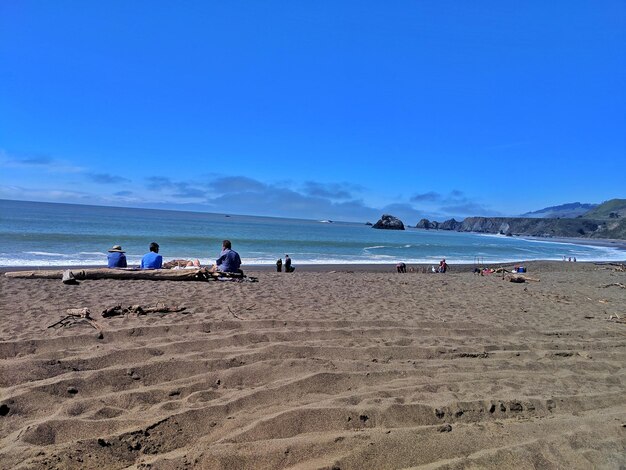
x=288 y=268
x=116 y=257
x=152 y=259
x=229 y=260
x=279 y=265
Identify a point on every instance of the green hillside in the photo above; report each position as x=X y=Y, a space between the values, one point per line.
x=613 y=209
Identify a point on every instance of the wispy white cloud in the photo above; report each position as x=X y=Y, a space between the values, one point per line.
x=106 y=178
x=37 y=162
x=48 y=195
x=340 y=191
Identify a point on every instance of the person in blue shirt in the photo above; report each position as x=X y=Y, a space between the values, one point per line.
x=229 y=260
x=116 y=257
x=152 y=260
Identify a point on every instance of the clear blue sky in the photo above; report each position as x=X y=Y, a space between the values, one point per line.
x=329 y=110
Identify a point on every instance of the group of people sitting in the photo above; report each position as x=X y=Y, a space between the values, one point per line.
x=443 y=267
x=228 y=262
x=288 y=267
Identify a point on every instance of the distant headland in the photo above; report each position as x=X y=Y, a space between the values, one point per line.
x=607 y=220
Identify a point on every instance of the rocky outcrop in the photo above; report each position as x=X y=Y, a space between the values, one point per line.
x=389 y=222
x=527 y=226
x=530 y=226
x=450 y=225
x=427 y=224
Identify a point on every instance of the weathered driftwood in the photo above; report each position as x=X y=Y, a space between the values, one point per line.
x=616 y=284
x=139 y=310
x=68 y=277
x=519 y=279
x=245 y=308
x=79 y=312
x=75 y=316
x=200 y=274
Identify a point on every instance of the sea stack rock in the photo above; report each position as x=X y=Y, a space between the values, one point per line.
x=427 y=224
x=389 y=222
x=424 y=224
x=450 y=225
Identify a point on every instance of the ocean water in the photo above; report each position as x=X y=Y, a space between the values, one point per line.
x=41 y=234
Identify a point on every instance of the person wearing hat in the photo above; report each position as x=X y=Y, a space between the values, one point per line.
x=116 y=257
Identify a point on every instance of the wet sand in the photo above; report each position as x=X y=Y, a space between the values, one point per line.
x=328 y=367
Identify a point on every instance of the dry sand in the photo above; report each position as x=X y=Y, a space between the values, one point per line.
x=360 y=369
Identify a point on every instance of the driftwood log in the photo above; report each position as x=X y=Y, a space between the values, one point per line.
x=519 y=279
x=76 y=316
x=200 y=274
x=139 y=310
x=616 y=284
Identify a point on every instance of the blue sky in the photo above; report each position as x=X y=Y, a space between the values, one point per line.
x=325 y=110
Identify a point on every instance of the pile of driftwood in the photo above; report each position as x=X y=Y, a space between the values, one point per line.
x=198 y=274
x=619 y=267
x=139 y=310
x=77 y=316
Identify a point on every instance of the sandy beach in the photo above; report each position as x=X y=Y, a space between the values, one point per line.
x=324 y=368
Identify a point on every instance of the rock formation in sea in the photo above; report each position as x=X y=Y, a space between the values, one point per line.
x=427 y=224
x=450 y=225
x=389 y=222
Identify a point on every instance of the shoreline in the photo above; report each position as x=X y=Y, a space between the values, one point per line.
x=615 y=244
x=602 y=242
x=358 y=267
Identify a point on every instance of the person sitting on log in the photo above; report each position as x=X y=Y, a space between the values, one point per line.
x=229 y=260
x=116 y=258
x=152 y=259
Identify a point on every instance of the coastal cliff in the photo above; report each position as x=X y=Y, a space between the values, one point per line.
x=525 y=226
x=607 y=220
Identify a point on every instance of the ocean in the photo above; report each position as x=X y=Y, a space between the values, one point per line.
x=49 y=234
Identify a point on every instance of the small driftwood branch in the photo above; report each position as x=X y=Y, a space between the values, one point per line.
x=75 y=316
x=617 y=284
x=234 y=314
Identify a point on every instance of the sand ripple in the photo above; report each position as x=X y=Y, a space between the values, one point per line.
x=342 y=370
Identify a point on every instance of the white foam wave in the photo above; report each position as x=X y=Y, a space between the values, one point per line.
x=45 y=253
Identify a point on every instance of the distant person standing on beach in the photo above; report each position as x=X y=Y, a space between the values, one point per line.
x=116 y=257
x=279 y=265
x=288 y=268
x=152 y=259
